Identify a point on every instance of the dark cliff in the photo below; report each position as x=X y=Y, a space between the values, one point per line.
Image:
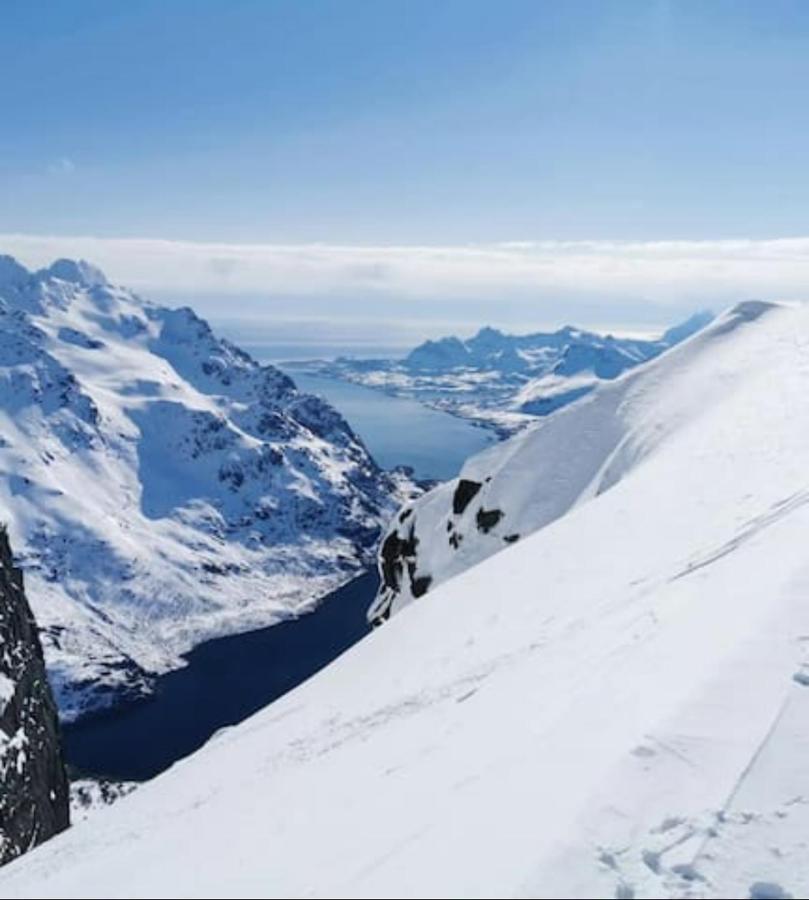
x=34 y=798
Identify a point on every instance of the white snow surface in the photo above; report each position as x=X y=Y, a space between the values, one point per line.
x=160 y=486
x=614 y=706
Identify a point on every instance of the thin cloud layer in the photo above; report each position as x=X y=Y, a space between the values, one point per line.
x=660 y=273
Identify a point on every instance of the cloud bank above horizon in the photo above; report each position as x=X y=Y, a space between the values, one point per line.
x=609 y=282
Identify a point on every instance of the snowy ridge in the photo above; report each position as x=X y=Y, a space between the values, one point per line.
x=161 y=487
x=614 y=706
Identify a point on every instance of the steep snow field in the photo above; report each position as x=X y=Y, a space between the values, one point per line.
x=614 y=706
x=160 y=486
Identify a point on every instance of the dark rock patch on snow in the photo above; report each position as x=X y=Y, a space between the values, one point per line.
x=464 y=494
x=486 y=519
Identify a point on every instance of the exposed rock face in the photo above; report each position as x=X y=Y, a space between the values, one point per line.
x=34 y=802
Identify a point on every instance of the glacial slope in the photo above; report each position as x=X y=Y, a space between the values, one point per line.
x=614 y=706
x=160 y=486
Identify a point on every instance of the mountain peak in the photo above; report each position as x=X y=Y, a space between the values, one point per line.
x=76 y=272
x=487 y=332
x=11 y=272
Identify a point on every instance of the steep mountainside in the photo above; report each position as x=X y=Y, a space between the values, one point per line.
x=518 y=486
x=161 y=486
x=33 y=785
x=614 y=706
x=504 y=380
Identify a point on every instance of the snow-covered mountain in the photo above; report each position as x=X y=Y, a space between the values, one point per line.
x=160 y=486
x=33 y=783
x=505 y=381
x=518 y=486
x=616 y=705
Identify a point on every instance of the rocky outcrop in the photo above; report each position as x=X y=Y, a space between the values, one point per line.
x=34 y=801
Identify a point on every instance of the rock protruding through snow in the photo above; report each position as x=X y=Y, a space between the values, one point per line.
x=34 y=802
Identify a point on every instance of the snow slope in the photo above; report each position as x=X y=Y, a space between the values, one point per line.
x=160 y=486
x=518 y=486
x=614 y=706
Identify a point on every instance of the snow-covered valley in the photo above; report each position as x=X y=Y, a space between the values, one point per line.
x=612 y=705
x=160 y=486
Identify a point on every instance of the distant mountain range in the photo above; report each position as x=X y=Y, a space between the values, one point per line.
x=160 y=486
x=505 y=380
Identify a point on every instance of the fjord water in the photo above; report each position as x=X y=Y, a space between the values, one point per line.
x=225 y=681
x=228 y=679
x=398 y=431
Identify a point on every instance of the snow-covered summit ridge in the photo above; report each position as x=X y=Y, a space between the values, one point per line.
x=614 y=706
x=516 y=487
x=161 y=486
x=76 y=272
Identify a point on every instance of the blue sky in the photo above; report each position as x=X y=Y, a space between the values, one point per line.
x=438 y=124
